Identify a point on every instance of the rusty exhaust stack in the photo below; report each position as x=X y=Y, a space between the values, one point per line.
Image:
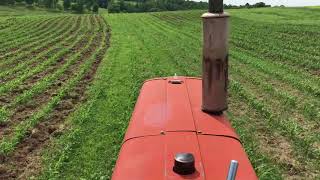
x=215 y=58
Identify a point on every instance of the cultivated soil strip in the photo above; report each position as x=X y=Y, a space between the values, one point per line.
x=12 y=47
x=43 y=53
x=25 y=110
x=25 y=160
x=19 y=52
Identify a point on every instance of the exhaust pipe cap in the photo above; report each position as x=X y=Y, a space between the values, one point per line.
x=184 y=164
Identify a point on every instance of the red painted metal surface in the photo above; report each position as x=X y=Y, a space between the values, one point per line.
x=167 y=120
x=206 y=123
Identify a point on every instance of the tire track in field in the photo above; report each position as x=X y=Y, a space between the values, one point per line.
x=25 y=160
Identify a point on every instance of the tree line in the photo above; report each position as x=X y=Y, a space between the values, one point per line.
x=79 y=6
x=117 y=6
x=247 y=5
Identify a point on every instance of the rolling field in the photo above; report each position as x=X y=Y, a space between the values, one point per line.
x=46 y=63
x=66 y=103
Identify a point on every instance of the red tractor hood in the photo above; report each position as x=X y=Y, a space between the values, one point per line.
x=168 y=120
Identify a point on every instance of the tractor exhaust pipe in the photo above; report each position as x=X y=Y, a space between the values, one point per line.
x=215 y=58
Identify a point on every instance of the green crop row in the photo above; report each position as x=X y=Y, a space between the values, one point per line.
x=44 y=83
x=7 y=22
x=308 y=108
x=14 y=55
x=8 y=143
x=273 y=51
x=170 y=28
x=264 y=166
x=280 y=111
x=24 y=27
x=22 y=22
x=274 y=47
x=49 y=52
x=286 y=127
x=40 y=36
x=41 y=85
x=27 y=72
x=279 y=72
x=270 y=34
x=21 y=32
x=30 y=36
x=47 y=43
x=299 y=72
x=26 y=24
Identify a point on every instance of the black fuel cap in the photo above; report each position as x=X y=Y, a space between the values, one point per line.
x=184 y=164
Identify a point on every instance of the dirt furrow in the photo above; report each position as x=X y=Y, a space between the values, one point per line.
x=70 y=36
x=26 y=159
x=12 y=46
x=14 y=57
x=23 y=111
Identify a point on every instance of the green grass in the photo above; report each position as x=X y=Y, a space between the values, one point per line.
x=160 y=44
x=274 y=87
x=313 y=7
